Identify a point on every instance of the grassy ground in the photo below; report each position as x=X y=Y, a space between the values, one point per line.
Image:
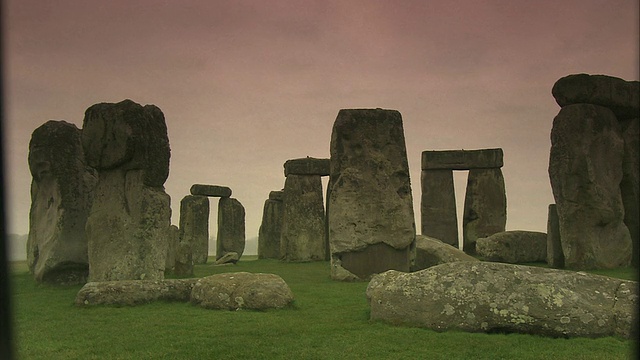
x=329 y=321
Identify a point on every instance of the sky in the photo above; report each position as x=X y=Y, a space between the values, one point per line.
x=246 y=85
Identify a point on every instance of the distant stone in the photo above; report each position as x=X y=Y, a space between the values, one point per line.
x=630 y=185
x=439 y=218
x=134 y=292
x=307 y=166
x=514 y=247
x=276 y=195
x=270 y=228
x=173 y=237
x=194 y=226
x=231 y=227
x=62 y=192
x=228 y=258
x=431 y=252
x=496 y=297
x=462 y=159
x=555 y=256
x=210 y=190
x=184 y=259
x=622 y=97
x=241 y=290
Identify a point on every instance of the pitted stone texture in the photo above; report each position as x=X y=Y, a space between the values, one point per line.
x=462 y=159
x=184 y=259
x=127 y=136
x=134 y=292
x=210 y=190
x=231 y=227
x=302 y=237
x=194 y=226
x=438 y=206
x=62 y=190
x=270 y=229
x=431 y=252
x=235 y=291
x=485 y=206
x=555 y=257
x=307 y=166
x=514 y=247
x=630 y=185
x=490 y=297
x=370 y=208
x=585 y=169
x=173 y=237
x=622 y=97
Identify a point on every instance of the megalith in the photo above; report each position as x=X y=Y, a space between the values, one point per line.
x=130 y=217
x=271 y=227
x=370 y=208
x=555 y=257
x=173 y=237
x=630 y=184
x=62 y=190
x=231 y=227
x=194 y=226
x=585 y=169
x=438 y=206
x=303 y=223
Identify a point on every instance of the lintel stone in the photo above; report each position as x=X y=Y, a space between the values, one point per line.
x=307 y=166
x=211 y=190
x=462 y=159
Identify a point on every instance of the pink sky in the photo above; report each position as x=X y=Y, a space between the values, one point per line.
x=247 y=85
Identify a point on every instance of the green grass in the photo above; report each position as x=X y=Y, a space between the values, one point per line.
x=329 y=320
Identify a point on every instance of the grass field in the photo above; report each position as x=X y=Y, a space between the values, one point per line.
x=329 y=320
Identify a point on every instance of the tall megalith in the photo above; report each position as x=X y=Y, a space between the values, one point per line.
x=129 y=222
x=62 y=191
x=630 y=184
x=231 y=227
x=370 y=212
x=194 y=226
x=271 y=227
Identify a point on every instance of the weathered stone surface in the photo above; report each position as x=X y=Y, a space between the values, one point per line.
x=302 y=237
x=585 y=169
x=630 y=185
x=131 y=214
x=485 y=207
x=210 y=190
x=491 y=297
x=270 y=229
x=622 y=97
x=431 y=252
x=555 y=257
x=134 y=292
x=184 y=259
x=194 y=226
x=228 y=258
x=513 y=247
x=62 y=192
x=370 y=211
x=231 y=227
x=307 y=166
x=234 y=291
x=462 y=159
x=173 y=237
x=438 y=206
x=276 y=195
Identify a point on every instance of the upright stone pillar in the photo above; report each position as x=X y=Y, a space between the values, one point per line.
x=172 y=249
x=555 y=257
x=438 y=206
x=62 y=192
x=303 y=225
x=131 y=215
x=194 y=226
x=371 y=222
x=630 y=185
x=271 y=227
x=231 y=227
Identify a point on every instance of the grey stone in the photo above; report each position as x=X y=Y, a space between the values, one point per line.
x=431 y=252
x=302 y=235
x=370 y=208
x=276 y=195
x=630 y=184
x=585 y=169
x=134 y=292
x=228 y=258
x=241 y=290
x=194 y=226
x=485 y=206
x=514 y=247
x=462 y=159
x=210 y=190
x=496 y=297
x=438 y=206
x=270 y=229
x=307 y=166
x=62 y=190
x=231 y=227
x=622 y=97
x=555 y=257
x=184 y=259
x=173 y=237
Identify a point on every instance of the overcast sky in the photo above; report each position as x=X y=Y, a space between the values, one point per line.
x=247 y=85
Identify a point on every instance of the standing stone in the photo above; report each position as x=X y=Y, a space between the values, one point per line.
x=231 y=227
x=371 y=222
x=61 y=196
x=271 y=227
x=302 y=237
x=127 y=226
x=184 y=259
x=585 y=169
x=173 y=237
x=194 y=226
x=630 y=185
x=485 y=206
x=555 y=257
x=438 y=206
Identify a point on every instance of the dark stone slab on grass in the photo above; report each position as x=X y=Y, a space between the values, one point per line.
x=515 y=246
x=134 y=292
x=210 y=190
